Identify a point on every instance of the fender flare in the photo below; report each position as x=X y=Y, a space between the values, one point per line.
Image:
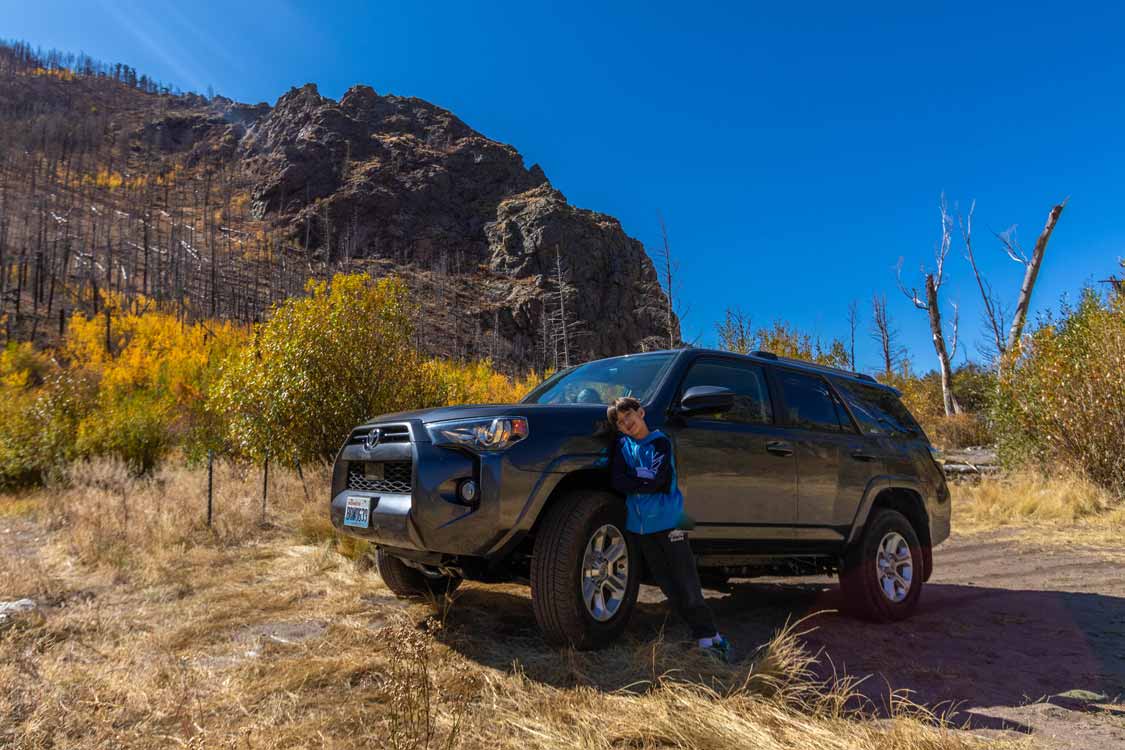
x=893 y=482
x=550 y=478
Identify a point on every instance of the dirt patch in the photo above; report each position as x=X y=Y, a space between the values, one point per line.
x=1003 y=625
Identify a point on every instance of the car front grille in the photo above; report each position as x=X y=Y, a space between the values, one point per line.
x=397 y=477
x=391 y=433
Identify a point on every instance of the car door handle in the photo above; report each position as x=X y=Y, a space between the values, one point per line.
x=860 y=455
x=779 y=448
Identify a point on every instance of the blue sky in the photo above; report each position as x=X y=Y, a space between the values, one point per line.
x=795 y=152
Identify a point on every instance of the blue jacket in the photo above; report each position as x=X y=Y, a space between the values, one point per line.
x=645 y=472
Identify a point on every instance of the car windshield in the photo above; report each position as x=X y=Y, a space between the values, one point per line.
x=602 y=381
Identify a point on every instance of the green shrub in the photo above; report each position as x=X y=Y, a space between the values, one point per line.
x=134 y=427
x=1061 y=398
x=321 y=365
x=38 y=427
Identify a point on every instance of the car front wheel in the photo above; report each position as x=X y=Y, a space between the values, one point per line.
x=881 y=579
x=585 y=572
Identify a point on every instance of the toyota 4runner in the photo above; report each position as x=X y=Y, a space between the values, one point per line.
x=787 y=468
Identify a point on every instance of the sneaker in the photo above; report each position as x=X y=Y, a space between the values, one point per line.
x=720 y=648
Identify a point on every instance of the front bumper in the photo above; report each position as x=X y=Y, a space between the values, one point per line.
x=429 y=517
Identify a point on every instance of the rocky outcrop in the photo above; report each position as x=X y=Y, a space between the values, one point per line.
x=399 y=179
x=616 y=300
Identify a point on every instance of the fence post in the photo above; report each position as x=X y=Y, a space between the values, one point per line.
x=210 y=484
x=265 y=485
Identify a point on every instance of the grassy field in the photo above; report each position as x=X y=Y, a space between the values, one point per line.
x=155 y=631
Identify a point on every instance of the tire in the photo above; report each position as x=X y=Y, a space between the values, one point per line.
x=571 y=527
x=410 y=583
x=861 y=581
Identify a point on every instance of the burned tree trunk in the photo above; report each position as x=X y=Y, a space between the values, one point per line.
x=944 y=358
x=932 y=307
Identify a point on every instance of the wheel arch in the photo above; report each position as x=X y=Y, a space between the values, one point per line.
x=902 y=495
x=591 y=478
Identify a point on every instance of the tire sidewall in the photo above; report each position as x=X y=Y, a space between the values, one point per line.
x=866 y=571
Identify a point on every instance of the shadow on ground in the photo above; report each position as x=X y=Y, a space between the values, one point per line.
x=966 y=646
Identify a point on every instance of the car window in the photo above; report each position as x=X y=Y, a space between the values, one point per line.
x=878 y=410
x=810 y=403
x=747 y=381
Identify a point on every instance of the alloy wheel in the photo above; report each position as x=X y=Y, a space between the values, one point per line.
x=605 y=572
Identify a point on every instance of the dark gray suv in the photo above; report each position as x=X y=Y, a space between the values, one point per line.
x=787 y=468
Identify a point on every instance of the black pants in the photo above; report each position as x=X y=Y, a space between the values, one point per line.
x=667 y=554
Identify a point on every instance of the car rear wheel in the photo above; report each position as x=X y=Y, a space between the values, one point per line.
x=584 y=571
x=409 y=582
x=881 y=578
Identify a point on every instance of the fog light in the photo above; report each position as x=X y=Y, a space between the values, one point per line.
x=468 y=491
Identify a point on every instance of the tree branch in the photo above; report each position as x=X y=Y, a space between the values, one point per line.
x=911 y=295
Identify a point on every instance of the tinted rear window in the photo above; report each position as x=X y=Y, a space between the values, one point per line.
x=878 y=411
x=810 y=403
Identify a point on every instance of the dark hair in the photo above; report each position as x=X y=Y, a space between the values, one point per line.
x=625 y=403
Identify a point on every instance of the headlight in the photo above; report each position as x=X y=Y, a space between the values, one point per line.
x=489 y=434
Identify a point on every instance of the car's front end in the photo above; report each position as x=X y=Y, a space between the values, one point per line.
x=445 y=486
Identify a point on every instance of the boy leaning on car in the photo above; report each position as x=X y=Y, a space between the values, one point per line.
x=643 y=468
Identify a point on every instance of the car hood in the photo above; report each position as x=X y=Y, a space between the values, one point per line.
x=542 y=418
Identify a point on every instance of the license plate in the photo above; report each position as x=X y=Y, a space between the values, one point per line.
x=358 y=512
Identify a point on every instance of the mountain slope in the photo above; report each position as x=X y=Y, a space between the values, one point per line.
x=223 y=208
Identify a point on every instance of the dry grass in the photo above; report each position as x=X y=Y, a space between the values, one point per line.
x=1067 y=507
x=170 y=634
x=109 y=519
x=288 y=651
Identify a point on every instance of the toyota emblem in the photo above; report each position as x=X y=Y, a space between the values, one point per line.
x=372 y=438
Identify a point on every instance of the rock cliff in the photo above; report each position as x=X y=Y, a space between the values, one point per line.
x=399 y=179
x=499 y=261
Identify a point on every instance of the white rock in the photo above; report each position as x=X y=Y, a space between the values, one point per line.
x=7 y=609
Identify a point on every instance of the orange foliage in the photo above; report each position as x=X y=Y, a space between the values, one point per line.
x=63 y=74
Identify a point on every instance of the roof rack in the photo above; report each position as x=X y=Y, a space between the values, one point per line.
x=814 y=366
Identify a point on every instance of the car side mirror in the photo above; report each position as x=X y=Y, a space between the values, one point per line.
x=706 y=399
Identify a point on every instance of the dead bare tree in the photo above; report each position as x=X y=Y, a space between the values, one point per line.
x=562 y=325
x=886 y=335
x=671 y=268
x=931 y=305
x=1031 y=270
x=993 y=308
x=853 y=322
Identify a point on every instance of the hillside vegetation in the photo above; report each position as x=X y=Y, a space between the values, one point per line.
x=134 y=384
